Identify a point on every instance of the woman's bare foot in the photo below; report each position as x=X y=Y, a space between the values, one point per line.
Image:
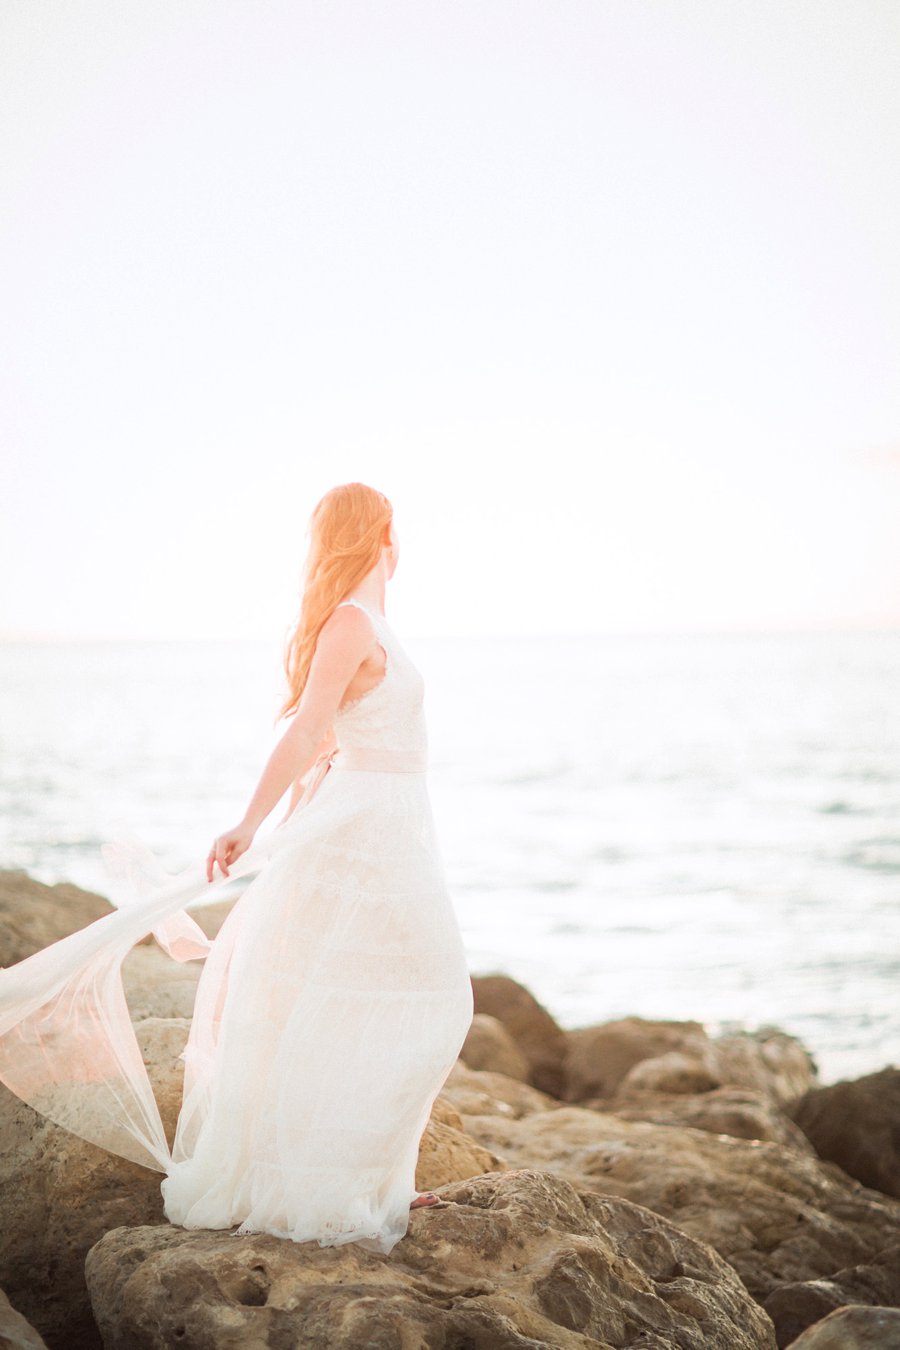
x=427 y=1198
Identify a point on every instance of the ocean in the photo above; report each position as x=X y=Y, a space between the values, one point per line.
x=670 y=826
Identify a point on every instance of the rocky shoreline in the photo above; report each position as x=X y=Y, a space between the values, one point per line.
x=631 y=1184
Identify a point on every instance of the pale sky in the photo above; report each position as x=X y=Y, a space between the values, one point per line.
x=604 y=294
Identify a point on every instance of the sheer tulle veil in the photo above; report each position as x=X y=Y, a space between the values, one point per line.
x=67 y=1044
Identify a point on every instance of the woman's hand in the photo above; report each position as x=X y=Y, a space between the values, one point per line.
x=228 y=847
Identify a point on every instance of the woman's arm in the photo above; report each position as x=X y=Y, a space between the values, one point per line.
x=299 y=785
x=343 y=644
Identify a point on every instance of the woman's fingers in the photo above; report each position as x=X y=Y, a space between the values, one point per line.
x=217 y=854
x=226 y=850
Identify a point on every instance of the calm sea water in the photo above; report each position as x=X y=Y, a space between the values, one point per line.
x=670 y=826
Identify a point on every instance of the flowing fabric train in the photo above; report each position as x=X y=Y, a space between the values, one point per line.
x=67 y=1043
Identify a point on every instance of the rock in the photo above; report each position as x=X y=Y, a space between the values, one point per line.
x=16 y=1333
x=767 y=1059
x=476 y=1092
x=521 y=1259
x=794 y=1307
x=157 y=986
x=856 y=1124
x=598 y=1057
x=162 y=1040
x=33 y=915
x=776 y=1214
x=743 y=1112
x=447 y=1154
x=60 y=1194
x=540 y=1039
x=623 y=1060
x=489 y=1045
x=211 y=917
x=853 y=1328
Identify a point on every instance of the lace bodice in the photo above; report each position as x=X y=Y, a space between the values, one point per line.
x=391 y=715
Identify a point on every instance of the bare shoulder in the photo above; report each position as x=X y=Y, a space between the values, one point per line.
x=347 y=625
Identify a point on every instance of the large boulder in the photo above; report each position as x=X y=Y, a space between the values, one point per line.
x=60 y=1194
x=856 y=1124
x=778 y=1215
x=853 y=1328
x=794 y=1307
x=598 y=1057
x=519 y=1259
x=32 y=915
x=476 y=1092
x=16 y=1332
x=488 y=1045
x=157 y=986
x=743 y=1112
x=632 y=1061
x=447 y=1153
x=539 y=1037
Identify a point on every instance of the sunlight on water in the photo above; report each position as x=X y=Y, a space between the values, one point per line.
x=685 y=827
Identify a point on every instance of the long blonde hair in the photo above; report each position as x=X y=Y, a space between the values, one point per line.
x=347 y=532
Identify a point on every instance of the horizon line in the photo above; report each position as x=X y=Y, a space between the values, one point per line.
x=746 y=630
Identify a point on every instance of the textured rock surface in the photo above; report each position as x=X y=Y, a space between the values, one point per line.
x=489 y=1046
x=599 y=1057
x=622 y=1062
x=539 y=1037
x=480 y=1092
x=856 y=1124
x=157 y=986
x=794 y=1307
x=853 y=1328
x=520 y=1260
x=775 y=1214
x=33 y=915
x=447 y=1154
x=16 y=1332
x=59 y=1194
x=743 y=1112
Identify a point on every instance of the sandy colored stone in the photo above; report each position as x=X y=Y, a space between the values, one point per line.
x=489 y=1045
x=597 y=1058
x=447 y=1153
x=768 y=1060
x=623 y=1061
x=211 y=917
x=157 y=986
x=477 y=1092
x=776 y=1214
x=853 y=1328
x=16 y=1332
x=856 y=1124
x=743 y=1112
x=33 y=915
x=519 y=1261
x=60 y=1194
x=538 y=1036
x=794 y=1307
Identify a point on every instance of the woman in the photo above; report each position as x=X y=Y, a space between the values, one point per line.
x=335 y=998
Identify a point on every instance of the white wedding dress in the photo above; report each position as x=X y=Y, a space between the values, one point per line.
x=331 y=1007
